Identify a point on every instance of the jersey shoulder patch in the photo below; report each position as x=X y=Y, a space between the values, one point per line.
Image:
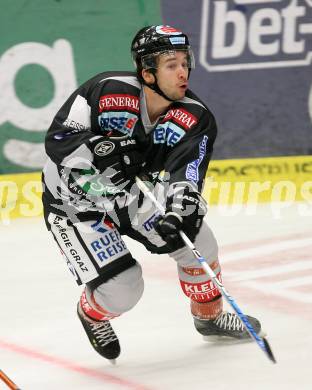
x=181 y=117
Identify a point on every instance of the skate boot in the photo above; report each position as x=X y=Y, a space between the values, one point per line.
x=101 y=335
x=226 y=325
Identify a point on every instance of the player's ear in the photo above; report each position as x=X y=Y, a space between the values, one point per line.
x=148 y=76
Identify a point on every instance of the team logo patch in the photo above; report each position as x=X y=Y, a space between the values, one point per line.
x=148 y=225
x=168 y=133
x=119 y=102
x=104 y=148
x=199 y=271
x=167 y=30
x=181 y=117
x=193 y=271
x=192 y=172
x=102 y=225
x=177 y=40
x=108 y=247
x=122 y=121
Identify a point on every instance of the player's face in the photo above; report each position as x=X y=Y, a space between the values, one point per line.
x=172 y=74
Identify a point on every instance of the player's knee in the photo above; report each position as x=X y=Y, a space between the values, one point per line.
x=197 y=285
x=205 y=242
x=122 y=292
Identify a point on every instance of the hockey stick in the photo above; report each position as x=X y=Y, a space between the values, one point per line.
x=261 y=341
x=11 y=385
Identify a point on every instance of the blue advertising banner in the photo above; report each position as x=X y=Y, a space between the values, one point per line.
x=254 y=71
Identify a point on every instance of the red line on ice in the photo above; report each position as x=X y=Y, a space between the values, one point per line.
x=71 y=366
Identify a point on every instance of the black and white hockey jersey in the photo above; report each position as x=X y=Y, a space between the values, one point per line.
x=180 y=143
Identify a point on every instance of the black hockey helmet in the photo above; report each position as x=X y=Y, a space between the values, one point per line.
x=151 y=41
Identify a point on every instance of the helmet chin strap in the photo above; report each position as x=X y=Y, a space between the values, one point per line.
x=155 y=87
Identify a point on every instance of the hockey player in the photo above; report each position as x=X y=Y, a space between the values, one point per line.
x=114 y=127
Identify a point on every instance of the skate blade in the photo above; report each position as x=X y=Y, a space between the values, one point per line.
x=113 y=361
x=230 y=340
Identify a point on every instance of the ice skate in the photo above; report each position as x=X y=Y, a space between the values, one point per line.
x=101 y=335
x=227 y=326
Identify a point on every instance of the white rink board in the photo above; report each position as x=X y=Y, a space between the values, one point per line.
x=267 y=267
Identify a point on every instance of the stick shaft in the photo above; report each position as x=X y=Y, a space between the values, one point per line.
x=11 y=385
x=262 y=343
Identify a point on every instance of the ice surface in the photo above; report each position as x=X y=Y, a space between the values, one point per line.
x=267 y=267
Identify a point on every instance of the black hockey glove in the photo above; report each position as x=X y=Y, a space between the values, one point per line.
x=118 y=158
x=185 y=211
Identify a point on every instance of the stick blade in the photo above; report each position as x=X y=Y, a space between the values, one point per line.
x=268 y=350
